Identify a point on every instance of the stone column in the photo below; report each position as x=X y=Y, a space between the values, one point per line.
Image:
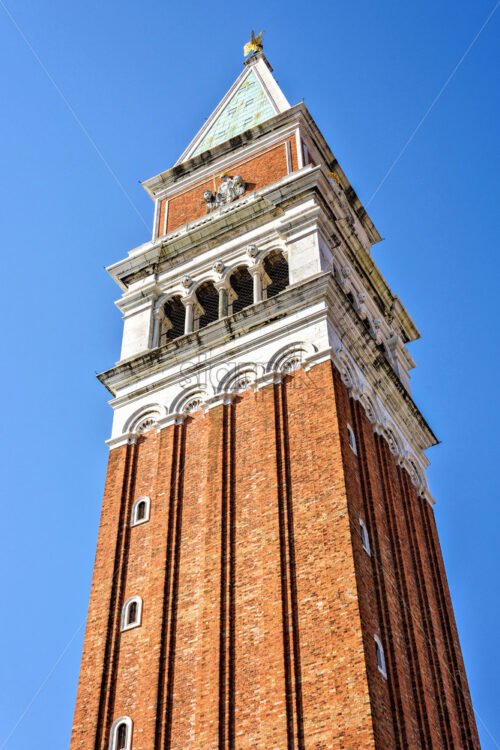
x=188 y=322
x=155 y=336
x=257 y=286
x=222 y=302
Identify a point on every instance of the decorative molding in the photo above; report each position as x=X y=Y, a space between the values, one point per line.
x=144 y=419
x=293 y=308
x=287 y=359
x=359 y=389
x=189 y=400
x=125 y=439
x=238 y=379
x=194 y=404
x=146 y=425
x=292 y=355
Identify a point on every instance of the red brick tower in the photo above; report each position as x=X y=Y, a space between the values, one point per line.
x=268 y=573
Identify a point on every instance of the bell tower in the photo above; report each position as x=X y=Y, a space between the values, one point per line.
x=268 y=573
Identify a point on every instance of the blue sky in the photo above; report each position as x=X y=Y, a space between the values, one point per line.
x=142 y=78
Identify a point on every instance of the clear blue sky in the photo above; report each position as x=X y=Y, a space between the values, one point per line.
x=142 y=77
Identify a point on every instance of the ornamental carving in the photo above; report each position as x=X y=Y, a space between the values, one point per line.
x=218 y=266
x=247 y=380
x=193 y=405
x=252 y=251
x=229 y=189
x=292 y=363
x=148 y=424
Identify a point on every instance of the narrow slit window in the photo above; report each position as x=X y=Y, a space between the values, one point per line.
x=352 y=439
x=379 y=651
x=121 y=737
x=365 y=539
x=132 y=614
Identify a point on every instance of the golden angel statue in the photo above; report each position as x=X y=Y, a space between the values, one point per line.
x=254 y=45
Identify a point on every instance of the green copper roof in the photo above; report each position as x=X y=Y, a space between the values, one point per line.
x=247 y=107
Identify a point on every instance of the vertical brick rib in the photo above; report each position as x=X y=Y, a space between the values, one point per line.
x=402 y=591
x=291 y=641
x=223 y=585
x=459 y=690
x=175 y=589
x=430 y=639
x=293 y=572
x=160 y=723
x=398 y=721
x=227 y=585
x=169 y=609
x=232 y=584
x=112 y=650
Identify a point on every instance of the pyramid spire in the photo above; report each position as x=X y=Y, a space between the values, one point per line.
x=253 y=98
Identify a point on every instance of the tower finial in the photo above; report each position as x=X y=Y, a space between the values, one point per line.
x=254 y=45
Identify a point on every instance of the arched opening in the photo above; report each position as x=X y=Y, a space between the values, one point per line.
x=208 y=297
x=131 y=613
x=172 y=321
x=140 y=511
x=276 y=268
x=120 y=737
x=242 y=285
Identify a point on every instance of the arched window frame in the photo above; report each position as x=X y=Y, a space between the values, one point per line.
x=113 y=735
x=380 y=656
x=265 y=260
x=124 y=624
x=352 y=439
x=165 y=323
x=365 y=538
x=234 y=279
x=134 y=520
x=206 y=315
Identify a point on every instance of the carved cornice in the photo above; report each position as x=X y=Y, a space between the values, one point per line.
x=251 y=376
